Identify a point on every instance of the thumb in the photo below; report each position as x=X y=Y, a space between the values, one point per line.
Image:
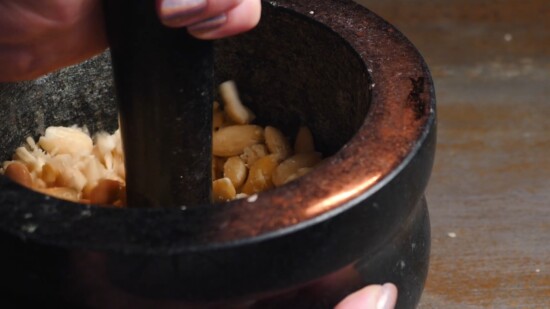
x=371 y=297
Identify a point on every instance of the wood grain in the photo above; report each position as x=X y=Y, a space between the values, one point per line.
x=489 y=195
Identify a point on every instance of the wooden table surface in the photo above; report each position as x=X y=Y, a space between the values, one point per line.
x=489 y=194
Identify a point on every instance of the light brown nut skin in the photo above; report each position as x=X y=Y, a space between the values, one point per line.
x=215 y=106
x=235 y=169
x=233 y=106
x=252 y=153
x=106 y=192
x=291 y=166
x=223 y=190
x=260 y=175
x=49 y=174
x=19 y=173
x=214 y=176
x=122 y=201
x=232 y=140
x=62 y=193
x=304 y=141
x=218 y=120
x=218 y=164
x=277 y=143
x=301 y=172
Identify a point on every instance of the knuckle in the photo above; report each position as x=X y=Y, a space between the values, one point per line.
x=18 y=65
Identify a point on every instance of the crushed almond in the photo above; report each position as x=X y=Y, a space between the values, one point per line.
x=68 y=163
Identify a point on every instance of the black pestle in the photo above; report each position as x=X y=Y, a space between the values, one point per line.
x=164 y=84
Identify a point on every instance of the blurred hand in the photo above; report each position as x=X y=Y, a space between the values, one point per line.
x=210 y=19
x=371 y=297
x=40 y=36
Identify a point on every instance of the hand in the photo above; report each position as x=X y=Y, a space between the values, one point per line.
x=371 y=297
x=37 y=37
x=210 y=19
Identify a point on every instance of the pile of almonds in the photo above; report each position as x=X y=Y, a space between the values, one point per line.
x=67 y=163
x=246 y=159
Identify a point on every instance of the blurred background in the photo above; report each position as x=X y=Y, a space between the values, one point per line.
x=489 y=194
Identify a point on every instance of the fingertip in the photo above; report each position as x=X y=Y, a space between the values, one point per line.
x=387 y=297
x=209 y=24
x=179 y=13
x=240 y=19
x=367 y=297
x=372 y=296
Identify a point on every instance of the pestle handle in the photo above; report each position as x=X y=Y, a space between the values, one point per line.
x=164 y=84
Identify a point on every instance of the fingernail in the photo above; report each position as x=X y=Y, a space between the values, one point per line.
x=173 y=11
x=387 y=297
x=209 y=24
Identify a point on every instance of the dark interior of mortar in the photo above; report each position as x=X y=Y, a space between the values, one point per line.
x=289 y=71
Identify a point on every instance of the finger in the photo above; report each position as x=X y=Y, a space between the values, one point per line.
x=31 y=59
x=182 y=13
x=240 y=19
x=372 y=296
x=13 y=61
x=26 y=62
x=24 y=20
x=62 y=34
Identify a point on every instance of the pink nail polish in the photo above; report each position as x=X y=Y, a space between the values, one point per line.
x=209 y=24
x=172 y=10
x=387 y=297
